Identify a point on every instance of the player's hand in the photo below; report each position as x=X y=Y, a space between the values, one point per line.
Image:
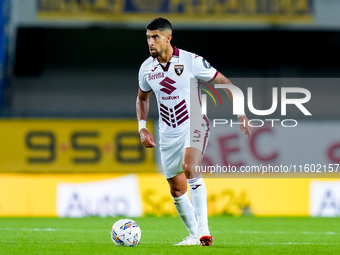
x=146 y=138
x=246 y=129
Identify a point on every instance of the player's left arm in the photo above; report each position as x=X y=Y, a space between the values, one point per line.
x=142 y=109
x=221 y=79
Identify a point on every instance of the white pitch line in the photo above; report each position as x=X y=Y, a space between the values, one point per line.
x=289 y=243
x=232 y=243
x=47 y=229
x=71 y=242
x=278 y=232
x=215 y=231
x=29 y=229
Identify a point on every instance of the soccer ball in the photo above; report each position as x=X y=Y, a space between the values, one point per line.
x=125 y=232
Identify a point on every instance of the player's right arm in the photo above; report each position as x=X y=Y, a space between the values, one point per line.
x=142 y=109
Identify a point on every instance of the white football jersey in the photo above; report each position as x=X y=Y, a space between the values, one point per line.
x=171 y=85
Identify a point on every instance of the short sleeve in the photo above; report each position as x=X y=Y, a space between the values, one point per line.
x=203 y=70
x=143 y=85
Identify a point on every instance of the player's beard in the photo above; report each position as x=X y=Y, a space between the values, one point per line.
x=156 y=54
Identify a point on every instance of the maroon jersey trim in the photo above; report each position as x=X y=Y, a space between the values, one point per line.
x=143 y=90
x=175 y=53
x=217 y=72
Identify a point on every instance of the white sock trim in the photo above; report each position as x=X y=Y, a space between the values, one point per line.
x=193 y=180
x=180 y=198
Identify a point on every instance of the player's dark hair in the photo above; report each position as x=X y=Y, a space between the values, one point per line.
x=159 y=24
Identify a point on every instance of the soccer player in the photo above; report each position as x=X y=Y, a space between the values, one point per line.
x=183 y=130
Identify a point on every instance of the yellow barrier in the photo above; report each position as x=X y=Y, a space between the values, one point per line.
x=234 y=196
x=73 y=146
x=35 y=195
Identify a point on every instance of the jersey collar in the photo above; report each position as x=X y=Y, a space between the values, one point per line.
x=173 y=59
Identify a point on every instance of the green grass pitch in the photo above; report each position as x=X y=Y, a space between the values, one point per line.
x=232 y=235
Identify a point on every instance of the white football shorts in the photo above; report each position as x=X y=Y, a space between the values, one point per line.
x=172 y=148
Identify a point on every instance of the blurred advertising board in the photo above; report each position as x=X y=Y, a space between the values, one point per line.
x=71 y=146
x=118 y=196
x=79 y=195
x=181 y=11
x=325 y=198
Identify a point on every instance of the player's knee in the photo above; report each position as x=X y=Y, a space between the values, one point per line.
x=177 y=192
x=187 y=168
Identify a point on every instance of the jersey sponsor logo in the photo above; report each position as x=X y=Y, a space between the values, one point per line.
x=154 y=69
x=179 y=69
x=206 y=63
x=170 y=98
x=174 y=117
x=155 y=76
x=166 y=83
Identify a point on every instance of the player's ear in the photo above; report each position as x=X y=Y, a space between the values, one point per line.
x=169 y=37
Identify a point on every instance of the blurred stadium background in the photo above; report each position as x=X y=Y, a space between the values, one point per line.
x=68 y=84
